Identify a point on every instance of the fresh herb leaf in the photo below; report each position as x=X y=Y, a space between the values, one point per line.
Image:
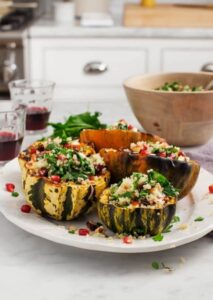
x=158 y=237
x=75 y=124
x=15 y=194
x=168 y=189
x=155 y=265
x=71 y=231
x=168 y=228
x=176 y=219
x=199 y=219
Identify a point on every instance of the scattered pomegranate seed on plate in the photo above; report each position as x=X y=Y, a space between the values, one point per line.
x=127 y=240
x=10 y=187
x=83 y=231
x=211 y=189
x=26 y=208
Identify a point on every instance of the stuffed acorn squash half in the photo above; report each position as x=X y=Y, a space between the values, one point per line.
x=118 y=136
x=62 y=180
x=142 y=203
x=169 y=160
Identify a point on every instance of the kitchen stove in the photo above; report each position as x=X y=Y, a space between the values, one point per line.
x=16 y=20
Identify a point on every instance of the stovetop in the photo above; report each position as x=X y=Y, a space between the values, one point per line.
x=16 y=20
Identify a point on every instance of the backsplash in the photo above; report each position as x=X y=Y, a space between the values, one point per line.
x=117 y=5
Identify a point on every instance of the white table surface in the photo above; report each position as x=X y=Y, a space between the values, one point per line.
x=32 y=268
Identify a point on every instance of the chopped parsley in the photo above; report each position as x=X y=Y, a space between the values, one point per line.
x=176 y=219
x=142 y=190
x=15 y=194
x=72 y=165
x=155 y=265
x=199 y=219
x=158 y=238
x=179 y=87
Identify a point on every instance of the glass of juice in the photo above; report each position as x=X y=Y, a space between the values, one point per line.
x=12 y=127
x=37 y=96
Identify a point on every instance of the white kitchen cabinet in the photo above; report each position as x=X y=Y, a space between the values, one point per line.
x=189 y=55
x=64 y=59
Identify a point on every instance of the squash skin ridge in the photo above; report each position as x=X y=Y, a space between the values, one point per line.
x=126 y=220
x=52 y=203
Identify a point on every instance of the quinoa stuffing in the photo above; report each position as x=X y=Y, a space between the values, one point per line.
x=64 y=160
x=122 y=125
x=142 y=190
x=162 y=149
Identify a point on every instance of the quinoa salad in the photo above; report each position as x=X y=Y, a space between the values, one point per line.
x=162 y=149
x=63 y=160
x=122 y=125
x=142 y=190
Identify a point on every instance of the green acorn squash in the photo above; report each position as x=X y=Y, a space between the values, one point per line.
x=182 y=175
x=64 y=200
x=144 y=218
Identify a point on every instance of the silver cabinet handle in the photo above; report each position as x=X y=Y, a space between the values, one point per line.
x=207 y=67
x=95 y=67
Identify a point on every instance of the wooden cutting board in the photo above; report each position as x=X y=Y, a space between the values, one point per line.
x=168 y=16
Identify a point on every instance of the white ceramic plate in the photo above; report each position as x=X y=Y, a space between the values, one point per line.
x=198 y=203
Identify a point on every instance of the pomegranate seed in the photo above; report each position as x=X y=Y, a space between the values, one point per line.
x=32 y=150
x=211 y=189
x=135 y=203
x=10 y=187
x=68 y=146
x=181 y=153
x=162 y=154
x=83 y=231
x=26 y=208
x=55 y=178
x=143 y=152
x=127 y=240
x=130 y=127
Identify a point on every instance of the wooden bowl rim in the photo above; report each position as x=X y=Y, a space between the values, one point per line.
x=127 y=83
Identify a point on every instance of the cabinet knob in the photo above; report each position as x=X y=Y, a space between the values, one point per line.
x=208 y=67
x=95 y=67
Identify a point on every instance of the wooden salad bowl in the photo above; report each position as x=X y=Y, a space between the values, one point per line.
x=182 y=118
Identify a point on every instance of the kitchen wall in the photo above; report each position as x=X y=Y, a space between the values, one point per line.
x=118 y=4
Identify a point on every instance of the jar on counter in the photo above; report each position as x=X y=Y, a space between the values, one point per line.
x=94 y=6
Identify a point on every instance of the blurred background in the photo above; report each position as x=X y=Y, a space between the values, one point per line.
x=89 y=47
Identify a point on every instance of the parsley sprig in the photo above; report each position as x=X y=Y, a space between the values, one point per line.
x=76 y=123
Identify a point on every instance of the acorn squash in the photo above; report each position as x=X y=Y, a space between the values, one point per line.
x=64 y=200
x=62 y=180
x=134 y=218
x=182 y=175
x=115 y=138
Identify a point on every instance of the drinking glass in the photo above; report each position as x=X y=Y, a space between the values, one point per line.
x=37 y=96
x=12 y=126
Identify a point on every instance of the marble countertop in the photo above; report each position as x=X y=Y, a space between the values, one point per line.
x=36 y=269
x=45 y=28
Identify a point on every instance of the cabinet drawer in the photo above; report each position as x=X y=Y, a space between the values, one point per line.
x=185 y=59
x=66 y=65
